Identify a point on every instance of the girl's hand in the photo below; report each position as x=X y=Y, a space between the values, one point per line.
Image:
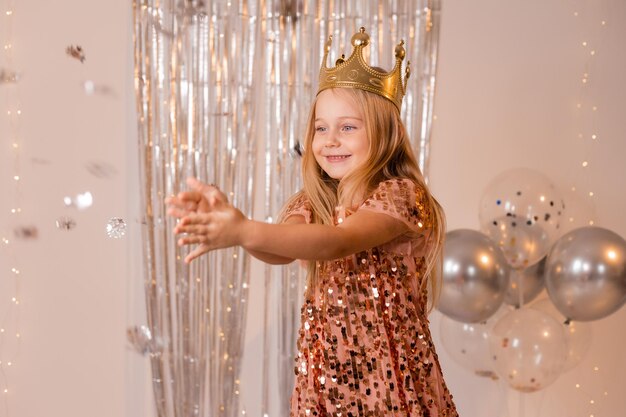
x=206 y=217
x=198 y=200
x=220 y=228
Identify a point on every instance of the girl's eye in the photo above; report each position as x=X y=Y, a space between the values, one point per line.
x=320 y=129
x=348 y=128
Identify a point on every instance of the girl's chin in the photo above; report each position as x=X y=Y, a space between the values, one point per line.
x=334 y=174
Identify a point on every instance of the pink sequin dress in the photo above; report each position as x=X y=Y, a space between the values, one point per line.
x=364 y=346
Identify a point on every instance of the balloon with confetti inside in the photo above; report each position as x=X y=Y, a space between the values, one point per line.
x=468 y=345
x=116 y=227
x=522 y=211
x=529 y=349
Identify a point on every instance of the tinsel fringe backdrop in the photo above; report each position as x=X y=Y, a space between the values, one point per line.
x=205 y=73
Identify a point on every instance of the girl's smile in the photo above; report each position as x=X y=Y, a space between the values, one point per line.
x=336 y=158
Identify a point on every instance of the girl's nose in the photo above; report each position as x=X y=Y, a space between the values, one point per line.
x=331 y=140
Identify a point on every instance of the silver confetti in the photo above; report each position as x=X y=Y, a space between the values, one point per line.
x=140 y=339
x=116 y=227
x=100 y=169
x=65 y=223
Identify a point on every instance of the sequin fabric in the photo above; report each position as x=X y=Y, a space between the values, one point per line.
x=364 y=346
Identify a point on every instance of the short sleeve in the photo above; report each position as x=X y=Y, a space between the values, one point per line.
x=404 y=200
x=297 y=205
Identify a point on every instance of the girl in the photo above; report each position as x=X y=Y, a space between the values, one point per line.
x=372 y=233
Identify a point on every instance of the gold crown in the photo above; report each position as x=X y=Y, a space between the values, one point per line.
x=354 y=72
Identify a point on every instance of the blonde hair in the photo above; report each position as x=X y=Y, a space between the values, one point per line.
x=390 y=156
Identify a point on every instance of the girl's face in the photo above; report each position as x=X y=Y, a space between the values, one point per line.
x=340 y=141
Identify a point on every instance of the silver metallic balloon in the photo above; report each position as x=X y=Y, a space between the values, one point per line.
x=475 y=276
x=526 y=284
x=586 y=273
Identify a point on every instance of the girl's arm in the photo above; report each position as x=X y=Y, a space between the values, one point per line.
x=222 y=225
x=360 y=231
x=276 y=259
x=225 y=226
x=201 y=200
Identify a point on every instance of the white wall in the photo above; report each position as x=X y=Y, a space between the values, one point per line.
x=73 y=284
x=508 y=80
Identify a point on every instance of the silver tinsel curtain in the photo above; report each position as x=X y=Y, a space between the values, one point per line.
x=203 y=69
x=194 y=65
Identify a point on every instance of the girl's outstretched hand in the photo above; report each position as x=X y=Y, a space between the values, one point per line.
x=197 y=200
x=207 y=219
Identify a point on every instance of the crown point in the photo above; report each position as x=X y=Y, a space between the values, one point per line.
x=361 y=38
x=329 y=43
x=341 y=60
x=400 y=52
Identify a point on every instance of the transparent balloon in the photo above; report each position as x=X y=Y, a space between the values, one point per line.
x=586 y=273
x=525 y=284
x=578 y=335
x=522 y=211
x=580 y=212
x=475 y=276
x=468 y=343
x=529 y=349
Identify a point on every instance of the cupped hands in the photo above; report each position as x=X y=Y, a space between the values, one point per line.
x=206 y=219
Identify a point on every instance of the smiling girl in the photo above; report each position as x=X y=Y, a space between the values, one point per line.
x=372 y=234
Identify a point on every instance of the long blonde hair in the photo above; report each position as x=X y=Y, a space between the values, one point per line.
x=390 y=156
